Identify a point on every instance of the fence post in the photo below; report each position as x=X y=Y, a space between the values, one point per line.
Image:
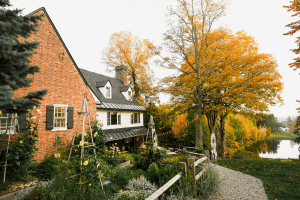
x=182 y=166
x=207 y=155
x=184 y=150
x=191 y=169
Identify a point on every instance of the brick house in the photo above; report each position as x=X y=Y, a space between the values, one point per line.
x=110 y=99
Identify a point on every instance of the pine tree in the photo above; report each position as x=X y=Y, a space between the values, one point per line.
x=15 y=54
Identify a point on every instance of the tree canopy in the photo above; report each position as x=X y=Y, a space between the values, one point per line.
x=15 y=54
x=128 y=50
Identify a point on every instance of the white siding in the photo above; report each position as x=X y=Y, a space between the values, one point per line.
x=125 y=119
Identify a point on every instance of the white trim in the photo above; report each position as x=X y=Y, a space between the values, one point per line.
x=125 y=94
x=66 y=117
x=94 y=96
x=103 y=90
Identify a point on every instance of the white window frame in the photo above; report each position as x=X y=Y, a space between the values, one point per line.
x=11 y=129
x=119 y=121
x=129 y=96
x=138 y=118
x=108 y=86
x=66 y=117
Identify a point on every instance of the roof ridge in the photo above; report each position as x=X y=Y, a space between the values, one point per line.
x=99 y=74
x=61 y=40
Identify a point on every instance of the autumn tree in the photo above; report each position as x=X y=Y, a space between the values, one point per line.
x=134 y=53
x=180 y=127
x=241 y=80
x=190 y=36
x=15 y=54
x=295 y=27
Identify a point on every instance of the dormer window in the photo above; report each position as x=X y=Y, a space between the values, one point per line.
x=105 y=88
x=108 y=91
x=129 y=96
x=127 y=92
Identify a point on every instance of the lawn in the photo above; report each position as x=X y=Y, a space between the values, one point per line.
x=281 y=178
x=283 y=135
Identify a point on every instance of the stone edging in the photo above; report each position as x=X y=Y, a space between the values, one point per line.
x=14 y=195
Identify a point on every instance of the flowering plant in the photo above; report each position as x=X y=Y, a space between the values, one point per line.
x=20 y=154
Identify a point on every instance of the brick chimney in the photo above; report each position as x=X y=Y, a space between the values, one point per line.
x=121 y=73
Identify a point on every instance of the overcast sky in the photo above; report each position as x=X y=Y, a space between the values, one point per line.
x=85 y=27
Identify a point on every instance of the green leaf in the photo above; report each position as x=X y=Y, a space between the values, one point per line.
x=16 y=157
x=8 y=155
x=18 y=163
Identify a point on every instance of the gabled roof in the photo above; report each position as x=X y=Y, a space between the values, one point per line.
x=61 y=40
x=101 y=83
x=123 y=88
x=118 y=101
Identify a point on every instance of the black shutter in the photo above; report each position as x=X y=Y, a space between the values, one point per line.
x=49 y=117
x=70 y=118
x=22 y=121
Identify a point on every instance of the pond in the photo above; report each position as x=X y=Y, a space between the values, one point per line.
x=280 y=149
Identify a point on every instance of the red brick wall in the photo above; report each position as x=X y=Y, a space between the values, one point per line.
x=61 y=78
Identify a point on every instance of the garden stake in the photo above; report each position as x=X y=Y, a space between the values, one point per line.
x=83 y=111
x=13 y=123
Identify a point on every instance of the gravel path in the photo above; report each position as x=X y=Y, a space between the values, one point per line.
x=236 y=185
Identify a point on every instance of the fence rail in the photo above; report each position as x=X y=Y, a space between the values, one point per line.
x=182 y=165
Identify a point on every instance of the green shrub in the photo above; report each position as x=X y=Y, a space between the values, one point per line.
x=44 y=170
x=21 y=153
x=122 y=177
x=149 y=157
x=126 y=156
x=153 y=173
x=208 y=182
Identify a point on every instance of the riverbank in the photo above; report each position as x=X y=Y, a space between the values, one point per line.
x=283 y=135
x=281 y=178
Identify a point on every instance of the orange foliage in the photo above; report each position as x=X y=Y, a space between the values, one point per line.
x=126 y=49
x=180 y=126
x=240 y=130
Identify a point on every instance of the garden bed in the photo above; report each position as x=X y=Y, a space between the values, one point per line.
x=19 y=185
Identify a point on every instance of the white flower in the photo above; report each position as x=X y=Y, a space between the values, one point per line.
x=57 y=155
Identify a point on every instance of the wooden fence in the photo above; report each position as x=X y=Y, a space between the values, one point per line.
x=182 y=166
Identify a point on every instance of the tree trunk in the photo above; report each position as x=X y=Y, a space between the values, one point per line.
x=222 y=134
x=211 y=119
x=199 y=134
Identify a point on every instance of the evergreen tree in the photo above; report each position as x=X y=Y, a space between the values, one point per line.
x=15 y=53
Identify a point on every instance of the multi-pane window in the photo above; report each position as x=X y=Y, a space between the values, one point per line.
x=108 y=92
x=60 y=117
x=6 y=122
x=113 y=118
x=135 y=118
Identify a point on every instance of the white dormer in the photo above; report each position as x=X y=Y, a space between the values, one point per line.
x=106 y=90
x=128 y=94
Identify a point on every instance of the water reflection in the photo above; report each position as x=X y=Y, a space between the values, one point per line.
x=281 y=149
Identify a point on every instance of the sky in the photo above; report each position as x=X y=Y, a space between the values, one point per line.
x=85 y=27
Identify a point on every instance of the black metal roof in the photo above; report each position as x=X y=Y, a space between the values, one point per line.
x=118 y=101
x=117 y=134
